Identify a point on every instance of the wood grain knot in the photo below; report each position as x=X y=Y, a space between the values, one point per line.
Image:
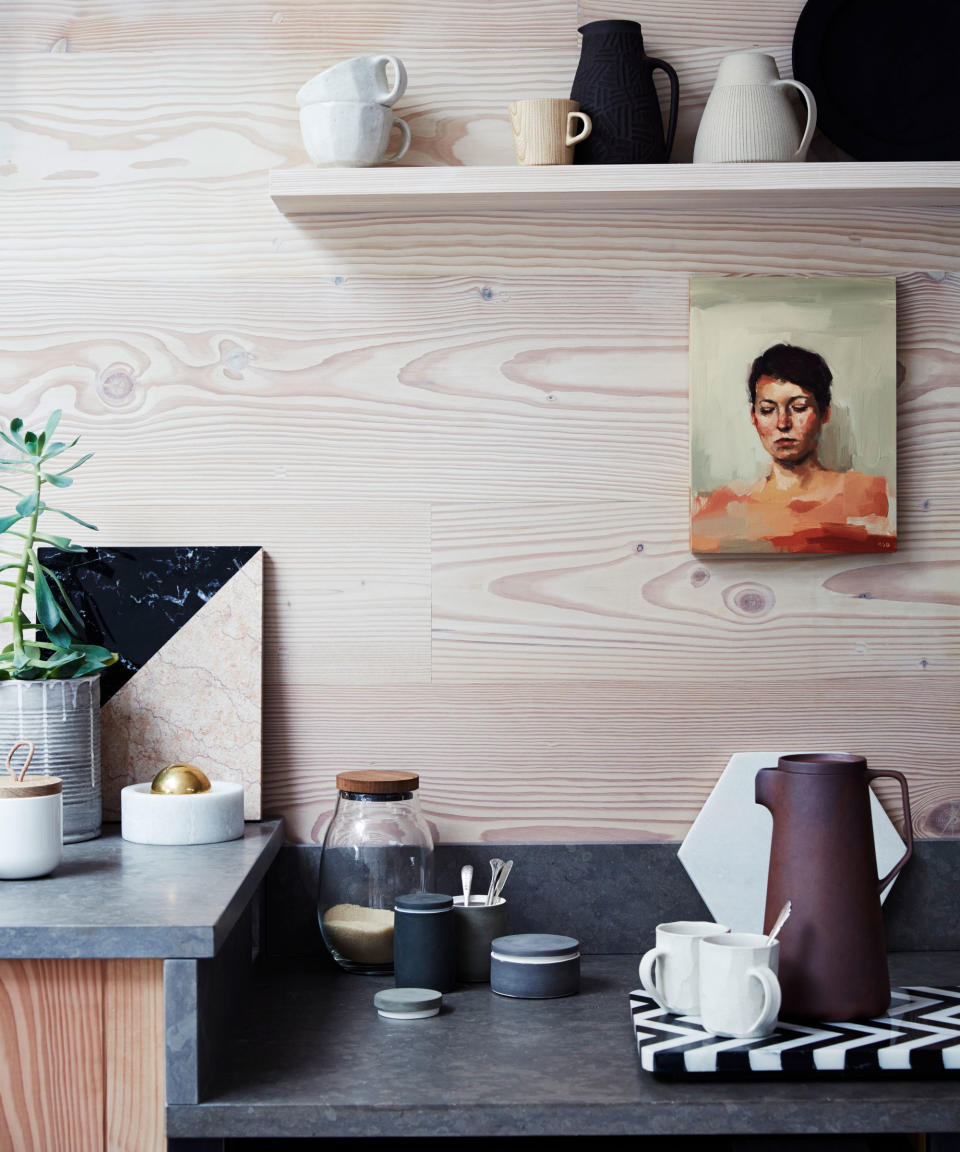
x=699 y=577
x=116 y=385
x=748 y=599
x=943 y=821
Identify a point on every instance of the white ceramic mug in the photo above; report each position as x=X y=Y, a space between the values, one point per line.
x=739 y=990
x=670 y=972
x=363 y=78
x=348 y=134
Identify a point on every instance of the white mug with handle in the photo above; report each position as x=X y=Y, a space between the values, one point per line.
x=739 y=990
x=362 y=78
x=670 y=972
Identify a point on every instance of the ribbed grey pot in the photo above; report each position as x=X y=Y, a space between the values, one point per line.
x=62 y=718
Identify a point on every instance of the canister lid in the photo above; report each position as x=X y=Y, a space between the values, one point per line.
x=377 y=780
x=14 y=785
x=423 y=902
x=409 y=1002
x=30 y=786
x=534 y=944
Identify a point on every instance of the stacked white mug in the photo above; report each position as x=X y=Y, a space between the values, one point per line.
x=346 y=113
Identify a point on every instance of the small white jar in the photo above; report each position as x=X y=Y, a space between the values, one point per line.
x=31 y=826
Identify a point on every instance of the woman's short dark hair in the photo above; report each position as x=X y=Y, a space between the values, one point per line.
x=798 y=365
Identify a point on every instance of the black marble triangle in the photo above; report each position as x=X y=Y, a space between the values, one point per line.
x=133 y=600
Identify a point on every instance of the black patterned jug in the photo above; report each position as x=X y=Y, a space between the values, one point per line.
x=614 y=86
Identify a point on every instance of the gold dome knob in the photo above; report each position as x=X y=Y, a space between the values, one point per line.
x=180 y=780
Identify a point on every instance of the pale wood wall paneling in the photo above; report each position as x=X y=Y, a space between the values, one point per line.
x=540 y=593
x=113 y=165
x=604 y=760
x=559 y=421
x=110 y=120
x=346 y=585
x=421 y=391
x=246 y=27
x=51 y=1073
x=133 y=1037
x=487 y=410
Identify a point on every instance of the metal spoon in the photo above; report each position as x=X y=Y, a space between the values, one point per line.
x=495 y=865
x=778 y=923
x=502 y=878
x=466 y=879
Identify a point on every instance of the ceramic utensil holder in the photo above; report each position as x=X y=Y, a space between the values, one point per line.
x=535 y=966
x=476 y=926
x=31 y=821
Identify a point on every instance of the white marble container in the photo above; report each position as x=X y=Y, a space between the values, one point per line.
x=193 y=818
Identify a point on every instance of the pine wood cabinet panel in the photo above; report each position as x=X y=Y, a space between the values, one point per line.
x=52 y=1088
x=82 y=1067
x=133 y=1057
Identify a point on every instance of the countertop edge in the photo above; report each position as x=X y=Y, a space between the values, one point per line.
x=131 y=941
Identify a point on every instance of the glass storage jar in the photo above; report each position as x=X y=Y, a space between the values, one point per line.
x=377 y=847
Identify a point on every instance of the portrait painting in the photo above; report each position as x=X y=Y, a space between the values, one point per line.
x=793 y=414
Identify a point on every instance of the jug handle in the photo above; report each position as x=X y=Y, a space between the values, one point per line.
x=811 y=101
x=674 y=98
x=907 y=828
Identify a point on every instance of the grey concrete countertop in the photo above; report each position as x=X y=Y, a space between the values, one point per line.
x=109 y=898
x=313 y=1058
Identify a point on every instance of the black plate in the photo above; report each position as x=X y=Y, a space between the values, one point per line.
x=885 y=75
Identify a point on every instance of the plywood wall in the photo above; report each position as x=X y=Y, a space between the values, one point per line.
x=462 y=441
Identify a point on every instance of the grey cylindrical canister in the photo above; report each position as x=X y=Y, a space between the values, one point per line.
x=62 y=718
x=535 y=966
x=476 y=927
x=423 y=943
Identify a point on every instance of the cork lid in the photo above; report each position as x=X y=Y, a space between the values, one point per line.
x=376 y=781
x=13 y=786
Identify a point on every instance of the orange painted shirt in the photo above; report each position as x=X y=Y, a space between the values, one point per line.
x=841 y=512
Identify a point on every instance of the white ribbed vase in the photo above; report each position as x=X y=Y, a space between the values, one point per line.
x=748 y=116
x=62 y=718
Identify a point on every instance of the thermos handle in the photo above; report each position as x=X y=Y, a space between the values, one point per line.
x=908 y=825
x=674 y=97
x=811 y=102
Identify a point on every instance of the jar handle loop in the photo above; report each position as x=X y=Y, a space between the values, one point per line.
x=23 y=771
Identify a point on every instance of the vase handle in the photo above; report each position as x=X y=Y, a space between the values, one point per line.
x=674 y=98
x=811 y=102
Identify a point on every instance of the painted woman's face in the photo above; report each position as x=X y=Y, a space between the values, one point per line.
x=787 y=420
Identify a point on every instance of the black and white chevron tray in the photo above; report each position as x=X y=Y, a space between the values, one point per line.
x=919 y=1035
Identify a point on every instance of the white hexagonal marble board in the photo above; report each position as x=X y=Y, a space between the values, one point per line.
x=727 y=851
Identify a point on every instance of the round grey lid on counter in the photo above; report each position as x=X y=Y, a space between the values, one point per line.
x=423 y=902
x=410 y=1003
x=534 y=944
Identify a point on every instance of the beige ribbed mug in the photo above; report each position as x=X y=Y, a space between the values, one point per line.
x=543 y=130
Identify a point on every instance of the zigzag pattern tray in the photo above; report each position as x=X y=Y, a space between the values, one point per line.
x=919 y=1035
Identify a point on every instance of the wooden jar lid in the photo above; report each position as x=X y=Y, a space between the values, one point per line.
x=30 y=786
x=14 y=787
x=377 y=781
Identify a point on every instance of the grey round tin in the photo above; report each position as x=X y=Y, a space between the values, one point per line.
x=535 y=966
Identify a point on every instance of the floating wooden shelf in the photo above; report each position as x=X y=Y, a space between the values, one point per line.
x=587 y=188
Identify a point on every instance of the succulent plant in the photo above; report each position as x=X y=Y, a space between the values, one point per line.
x=56 y=650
